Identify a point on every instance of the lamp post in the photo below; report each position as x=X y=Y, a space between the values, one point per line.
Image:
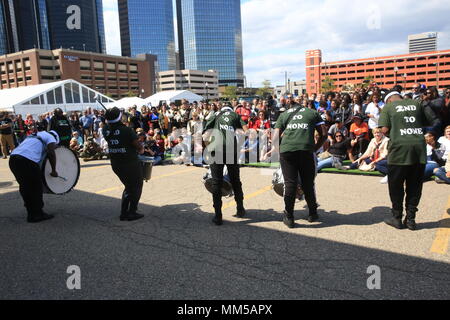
x=404 y=80
x=437 y=75
x=207 y=95
x=396 y=71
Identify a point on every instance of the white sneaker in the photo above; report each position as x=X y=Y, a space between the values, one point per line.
x=384 y=180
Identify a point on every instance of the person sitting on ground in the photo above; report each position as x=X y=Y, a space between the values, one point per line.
x=359 y=134
x=91 y=151
x=181 y=152
x=445 y=141
x=443 y=174
x=76 y=143
x=338 y=151
x=375 y=157
x=435 y=155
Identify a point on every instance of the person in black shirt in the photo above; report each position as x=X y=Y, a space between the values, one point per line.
x=61 y=125
x=338 y=151
x=124 y=146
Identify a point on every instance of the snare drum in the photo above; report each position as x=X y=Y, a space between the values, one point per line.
x=68 y=168
x=278 y=185
x=227 y=188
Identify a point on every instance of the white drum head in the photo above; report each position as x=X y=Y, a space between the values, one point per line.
x=68 y=169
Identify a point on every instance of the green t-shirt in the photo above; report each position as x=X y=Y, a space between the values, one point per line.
x=224 y=125
x=120 y=147
x=298 y=133
x=405 y=120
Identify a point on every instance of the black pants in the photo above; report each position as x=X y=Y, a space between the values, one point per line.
x=28 y=175
x=217 y=176
x=294 y=164
x=409 y=180
x=131 y=175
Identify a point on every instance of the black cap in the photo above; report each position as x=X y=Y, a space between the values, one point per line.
x=112 y=114
x=359 y=116
x=338 y=118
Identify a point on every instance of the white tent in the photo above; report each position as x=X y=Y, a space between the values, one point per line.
x=172 y=96
x=127 y=102
x=69 y=95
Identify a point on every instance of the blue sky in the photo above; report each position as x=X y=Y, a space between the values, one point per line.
x=276 y=34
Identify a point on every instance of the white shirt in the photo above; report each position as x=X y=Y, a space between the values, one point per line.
x=32 y=148
x=446 y=144
x=373 y=110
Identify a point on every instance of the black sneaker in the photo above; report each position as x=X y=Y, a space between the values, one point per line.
x=313 y=217
x=217 y=220
x=240 y=213
x=394 y=222
x=39 y=218
x=410 y=224
x=288 y=220
x=131 y=216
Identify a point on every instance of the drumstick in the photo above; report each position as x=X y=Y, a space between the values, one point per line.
x=98 y=100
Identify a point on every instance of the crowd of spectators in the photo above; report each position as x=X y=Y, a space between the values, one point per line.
x=352 y=120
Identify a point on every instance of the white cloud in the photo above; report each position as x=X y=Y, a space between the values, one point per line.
x=276 y=34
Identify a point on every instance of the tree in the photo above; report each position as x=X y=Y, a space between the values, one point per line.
x=230 y=92
x=328 y=84
x=266 y=90
x=367 y=81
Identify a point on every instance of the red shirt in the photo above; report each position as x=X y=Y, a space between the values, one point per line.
x=261 y=124
x=244 y=113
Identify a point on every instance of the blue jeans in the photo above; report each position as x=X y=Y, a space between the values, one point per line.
x=323 y=164
x=441 y=174
x=429 y=168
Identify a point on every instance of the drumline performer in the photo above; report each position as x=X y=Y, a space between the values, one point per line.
x=124 y=146
x=24 y=164
x=297 y=156
x=224 y=150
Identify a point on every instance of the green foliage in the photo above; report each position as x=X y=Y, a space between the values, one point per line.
x=328 y=84
x=230 y=92
x=266 y=90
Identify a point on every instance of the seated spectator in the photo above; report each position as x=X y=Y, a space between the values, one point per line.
x=151 y=150
x=359 y=135
x=443 y=174
x=375 y=157
x=249 y=151
x=435 y=155
x=181 y=152
x=261 y=123
x=445 y=141
x=76 y=143
x=91 y=151
x=336 y=154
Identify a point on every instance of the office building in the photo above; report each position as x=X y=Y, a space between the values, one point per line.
x=422 y=42
x=147 y=27
x=211 y=38
x=430 y=68
x=50 y=24
x=114 y=76
x=204 y=83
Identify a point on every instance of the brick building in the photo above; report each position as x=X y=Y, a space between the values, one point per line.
x=114 y=76
x=429 y=68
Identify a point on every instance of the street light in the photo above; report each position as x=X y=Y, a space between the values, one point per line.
x=404 y=80
x=207 y=95
x=396 y=71
x=437 y=75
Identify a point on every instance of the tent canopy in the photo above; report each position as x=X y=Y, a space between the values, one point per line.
x=69 y=95
x=127 y=102
x=172 y=96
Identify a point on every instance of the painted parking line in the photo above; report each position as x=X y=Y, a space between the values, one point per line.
x=152 y=179
x=247 y=197
x=440 y=244
x=94 y=168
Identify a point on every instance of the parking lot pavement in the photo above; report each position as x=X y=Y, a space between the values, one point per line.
x=175 y=252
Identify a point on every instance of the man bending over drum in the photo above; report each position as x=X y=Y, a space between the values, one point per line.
x=124 y=146
x=222 y=129
x=24 y=164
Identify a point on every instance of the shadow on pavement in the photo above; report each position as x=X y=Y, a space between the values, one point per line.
x=175 y=252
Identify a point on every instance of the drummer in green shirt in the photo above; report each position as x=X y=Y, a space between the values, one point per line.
x=403 y=121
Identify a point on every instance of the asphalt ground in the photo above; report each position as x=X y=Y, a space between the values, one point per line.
x=175 y=252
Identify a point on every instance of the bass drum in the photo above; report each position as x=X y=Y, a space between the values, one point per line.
x=68 y=168
x=227 y=188
x=278 y=185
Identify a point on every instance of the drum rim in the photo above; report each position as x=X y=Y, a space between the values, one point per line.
x=76 y=180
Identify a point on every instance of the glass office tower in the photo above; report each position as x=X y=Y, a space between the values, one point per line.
x=147 y=27
x=52 y=24
x=212 y=38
